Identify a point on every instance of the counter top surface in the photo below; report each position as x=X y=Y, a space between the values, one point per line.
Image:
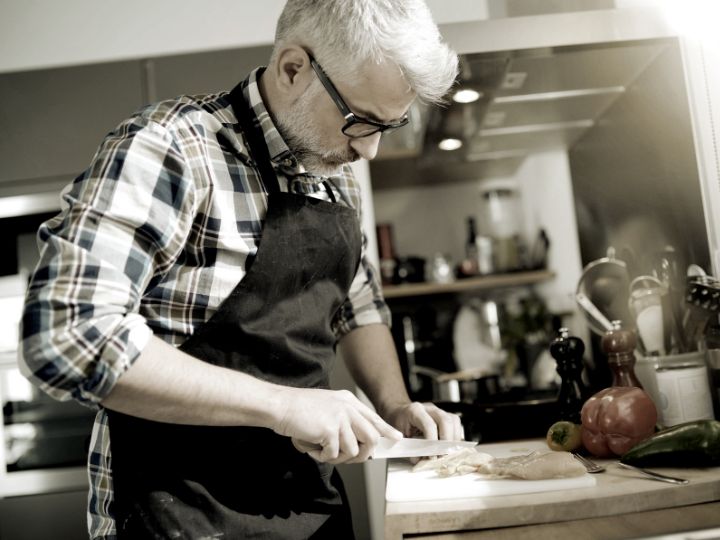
x=617 y=491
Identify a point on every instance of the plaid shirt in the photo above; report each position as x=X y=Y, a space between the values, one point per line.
x=151 y=238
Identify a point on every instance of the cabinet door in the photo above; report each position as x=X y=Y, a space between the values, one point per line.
x=203 y=73
x=52 y=120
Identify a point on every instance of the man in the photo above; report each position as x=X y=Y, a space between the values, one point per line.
x=203 y=270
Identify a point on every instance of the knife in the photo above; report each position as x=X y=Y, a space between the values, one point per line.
x=408 y=447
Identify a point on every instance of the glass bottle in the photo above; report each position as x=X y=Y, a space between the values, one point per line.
x=471 y=250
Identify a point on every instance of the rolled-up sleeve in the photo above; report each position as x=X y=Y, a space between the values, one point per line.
x=365 y=303
x=122 y=224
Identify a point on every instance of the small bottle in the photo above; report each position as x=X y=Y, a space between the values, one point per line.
x=568 y=353
x=619 y=346
x=386 y=249
x=471 y=251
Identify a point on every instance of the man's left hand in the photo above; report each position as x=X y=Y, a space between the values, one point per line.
x=426 y=420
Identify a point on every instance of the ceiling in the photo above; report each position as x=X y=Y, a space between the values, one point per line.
x=532 y=100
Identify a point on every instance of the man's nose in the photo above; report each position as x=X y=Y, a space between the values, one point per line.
x=366 y=147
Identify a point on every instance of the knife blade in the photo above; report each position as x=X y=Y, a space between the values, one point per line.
x=410 y=447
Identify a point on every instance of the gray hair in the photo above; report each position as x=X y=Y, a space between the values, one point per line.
x=346 y=34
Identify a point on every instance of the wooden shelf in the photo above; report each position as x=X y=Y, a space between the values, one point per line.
x=514 y=279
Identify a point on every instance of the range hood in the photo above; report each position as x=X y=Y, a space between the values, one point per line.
x=544 y=82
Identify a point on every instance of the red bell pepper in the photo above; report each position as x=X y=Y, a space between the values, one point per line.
x=616 y=419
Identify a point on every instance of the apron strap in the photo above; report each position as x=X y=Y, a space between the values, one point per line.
x=256 y=140
x=329 y=190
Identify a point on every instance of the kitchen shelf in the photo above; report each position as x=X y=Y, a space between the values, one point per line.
x=514 y=279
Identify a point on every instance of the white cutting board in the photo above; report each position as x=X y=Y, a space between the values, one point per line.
x=403 y=485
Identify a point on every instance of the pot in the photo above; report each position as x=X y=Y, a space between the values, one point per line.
x=466 y=386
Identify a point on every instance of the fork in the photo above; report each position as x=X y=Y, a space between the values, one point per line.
x=590 y=466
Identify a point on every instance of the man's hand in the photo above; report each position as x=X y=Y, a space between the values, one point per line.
x=427 y=420
x=331 y=426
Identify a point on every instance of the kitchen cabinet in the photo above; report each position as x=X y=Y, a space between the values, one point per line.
x=54 y=119
x=203 y=72
x=622 y=504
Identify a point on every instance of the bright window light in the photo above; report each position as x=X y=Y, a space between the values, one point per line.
x=693 y=18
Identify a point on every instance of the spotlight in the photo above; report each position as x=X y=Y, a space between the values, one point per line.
x=450 y=144
x=466 y=95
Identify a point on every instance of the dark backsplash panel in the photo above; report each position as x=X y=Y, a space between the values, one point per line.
x=635 y=175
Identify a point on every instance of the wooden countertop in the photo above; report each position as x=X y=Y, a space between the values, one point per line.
x=617 y=492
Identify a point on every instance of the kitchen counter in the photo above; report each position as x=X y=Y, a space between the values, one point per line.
x=622 y=504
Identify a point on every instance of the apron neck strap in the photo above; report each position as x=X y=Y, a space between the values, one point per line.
x=255 y=138
x=329 y=190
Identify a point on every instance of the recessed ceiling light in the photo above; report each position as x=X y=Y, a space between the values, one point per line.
x=450 y=144
x=466 y=95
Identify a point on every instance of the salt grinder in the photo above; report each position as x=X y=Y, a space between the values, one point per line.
x=619 y=346
x=568 y=353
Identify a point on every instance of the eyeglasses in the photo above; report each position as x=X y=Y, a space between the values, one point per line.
x=356 y=126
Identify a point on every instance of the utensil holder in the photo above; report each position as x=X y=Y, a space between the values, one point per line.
x=679 y=385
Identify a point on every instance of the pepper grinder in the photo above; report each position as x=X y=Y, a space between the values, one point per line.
x=568 y=352
x=619 y=344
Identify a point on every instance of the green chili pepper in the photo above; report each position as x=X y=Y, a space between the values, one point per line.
x=692 y=444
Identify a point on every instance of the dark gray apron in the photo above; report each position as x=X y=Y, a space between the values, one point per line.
x=191 y=482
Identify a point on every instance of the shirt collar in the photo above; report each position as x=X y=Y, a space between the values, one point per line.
x=280 y=154
x=282 y=158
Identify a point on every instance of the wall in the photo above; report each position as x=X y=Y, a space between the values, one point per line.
x=37 y=34
x=428 y=220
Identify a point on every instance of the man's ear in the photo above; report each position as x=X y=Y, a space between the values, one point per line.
x=293 y=71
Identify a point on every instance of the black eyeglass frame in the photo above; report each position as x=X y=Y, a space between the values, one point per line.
x=351 y=118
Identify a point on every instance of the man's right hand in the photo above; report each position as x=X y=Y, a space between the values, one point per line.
x=331 y=426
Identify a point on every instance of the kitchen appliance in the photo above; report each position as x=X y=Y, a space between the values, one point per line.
x=43 y=441
x=501 y=214
x=404 y=485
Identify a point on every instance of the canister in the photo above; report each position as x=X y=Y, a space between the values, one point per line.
x=679 y=385
x=684 y=393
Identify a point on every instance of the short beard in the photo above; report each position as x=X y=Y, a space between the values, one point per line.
x=298 y=128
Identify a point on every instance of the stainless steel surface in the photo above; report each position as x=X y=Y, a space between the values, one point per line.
x=603 y=291
x=590 y=466
x=563 y=93
x=654 y=475
x=409 y=447
x=599 y=320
